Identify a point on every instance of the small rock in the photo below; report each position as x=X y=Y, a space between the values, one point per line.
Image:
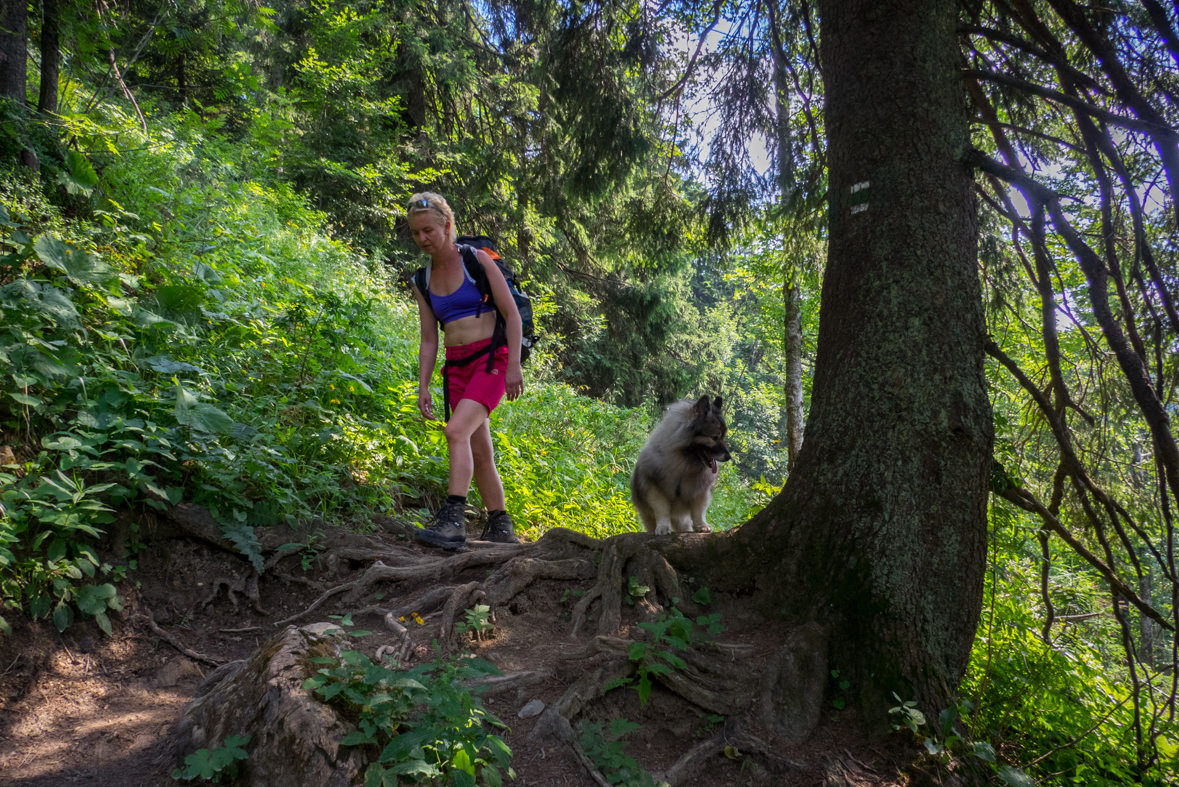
x=175 y=671
x=85 y=644
x=534 y=708
x=324 y=629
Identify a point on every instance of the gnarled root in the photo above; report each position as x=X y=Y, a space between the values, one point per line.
x=736 y=737
x=247 y=586
x=433 y=570
x=461 y=597
x=150 y=620
x=556 y=718
x=623 y=557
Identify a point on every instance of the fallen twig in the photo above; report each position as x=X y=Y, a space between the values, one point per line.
x=159 y=632
x=319 y=601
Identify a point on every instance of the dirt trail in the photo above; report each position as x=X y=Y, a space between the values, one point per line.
x=84 y=708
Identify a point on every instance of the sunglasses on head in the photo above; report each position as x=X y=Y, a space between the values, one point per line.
x=422 y=203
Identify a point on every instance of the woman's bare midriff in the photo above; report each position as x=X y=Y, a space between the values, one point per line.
x=468 y=330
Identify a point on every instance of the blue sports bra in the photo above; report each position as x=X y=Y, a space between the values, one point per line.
x=463 y=302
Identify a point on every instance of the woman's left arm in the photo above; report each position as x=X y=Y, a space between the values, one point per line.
x=507 y=307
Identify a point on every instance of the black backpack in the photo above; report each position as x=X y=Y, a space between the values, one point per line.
x=467 y=245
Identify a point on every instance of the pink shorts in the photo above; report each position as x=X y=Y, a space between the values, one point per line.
x=473 y=381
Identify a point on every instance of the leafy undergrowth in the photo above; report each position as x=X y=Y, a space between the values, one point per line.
x=425 y=725
x=1055 y=700
x=200 y=336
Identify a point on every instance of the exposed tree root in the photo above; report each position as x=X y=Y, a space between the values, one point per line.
x=736 y=737
x=709 y=681
x=492 y=685
x=148 y=618
x=844 y=772
x=316 y=604
x=433 y=570
x=555 y=720
x=431 y=601
x=613 y=573
x=461 y=597
x=783 y=696
x=285 y=577
x=247 y=586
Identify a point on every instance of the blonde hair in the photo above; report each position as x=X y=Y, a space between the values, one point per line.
x=429 y=202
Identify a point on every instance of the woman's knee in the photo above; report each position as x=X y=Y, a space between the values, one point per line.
x=457 y=431
x=482 y=452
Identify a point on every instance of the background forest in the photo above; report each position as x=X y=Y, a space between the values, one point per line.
x=204 y=296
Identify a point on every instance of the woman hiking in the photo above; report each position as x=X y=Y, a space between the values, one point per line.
x=476 y=374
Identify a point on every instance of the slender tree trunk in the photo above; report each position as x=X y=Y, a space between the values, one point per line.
x=1147 y=626
x=50 y=56
x=14 y=47
x=880 y=533
x=791 y=290
x=792 y=299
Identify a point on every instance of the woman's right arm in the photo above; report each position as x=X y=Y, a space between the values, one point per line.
x=427 y=354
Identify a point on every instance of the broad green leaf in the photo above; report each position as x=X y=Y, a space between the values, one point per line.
x=63 y=443
x=200 y=415
x=38 y=606
x=63 y=616
x=166 y=365
x=79 y=177
x=491 y=776
x=984 y=751
x=29 y=400
x=357 y=739
x=462 y=761
x=374 y=775
x=56 y=551
x=402 y=746
x=81 y=267
x=1015 y=777
x=416 y=768
x=198 y=765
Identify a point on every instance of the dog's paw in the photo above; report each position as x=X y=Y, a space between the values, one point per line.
x=703 y=527
x=663 y=529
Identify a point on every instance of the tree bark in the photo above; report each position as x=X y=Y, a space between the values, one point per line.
x=792 y=299
x=14 y=49
x=791 y=289
x=50 y=56
x=880 y=531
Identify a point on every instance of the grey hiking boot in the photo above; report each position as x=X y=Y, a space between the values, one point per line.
x=499 y=529
x=447 y=529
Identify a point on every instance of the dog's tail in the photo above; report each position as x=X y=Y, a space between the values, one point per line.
x=634 y=482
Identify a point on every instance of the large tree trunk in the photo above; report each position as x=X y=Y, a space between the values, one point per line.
x=880 y=532
x=50 y=56
x=14 y=48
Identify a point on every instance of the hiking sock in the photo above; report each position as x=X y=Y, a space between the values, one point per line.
x=461 y=499
x=491 y=514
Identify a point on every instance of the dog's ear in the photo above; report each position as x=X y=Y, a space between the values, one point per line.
x=702 y=407
x=716 y=403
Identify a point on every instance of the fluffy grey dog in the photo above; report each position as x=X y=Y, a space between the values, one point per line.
x=671 y=486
